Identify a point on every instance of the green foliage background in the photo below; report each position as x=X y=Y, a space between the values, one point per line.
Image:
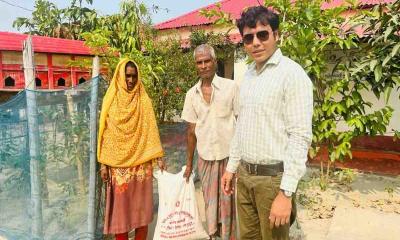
x=308 y=35
x=367 y=63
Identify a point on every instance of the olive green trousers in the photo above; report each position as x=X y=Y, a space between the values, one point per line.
x=255 y=195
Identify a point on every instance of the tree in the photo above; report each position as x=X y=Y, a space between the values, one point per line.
x=125 y=34
x=45 y=20
x=223 y=46
x=174 y=74
x=380 y=67
x=48 y=20
x=167 y=72
x=79 y=19
x=307 y=36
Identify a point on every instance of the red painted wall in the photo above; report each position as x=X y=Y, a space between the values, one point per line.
x=48 y=74
x=378 y=154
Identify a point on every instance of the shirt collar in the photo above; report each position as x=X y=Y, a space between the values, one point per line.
x=216 y=82
x=273 y=60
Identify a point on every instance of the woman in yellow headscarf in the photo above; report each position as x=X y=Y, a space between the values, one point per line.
x=128 y=144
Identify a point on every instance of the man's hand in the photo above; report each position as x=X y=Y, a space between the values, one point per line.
x=161 y=164
x=280 y=210
x=104 y=173
x=191 y=145
x=226 y=183
x=188 y=172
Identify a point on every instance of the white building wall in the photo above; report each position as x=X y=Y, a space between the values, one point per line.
x=377 y=104
x=240 y=68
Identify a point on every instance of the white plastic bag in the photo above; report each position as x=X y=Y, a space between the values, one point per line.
x=178 y=215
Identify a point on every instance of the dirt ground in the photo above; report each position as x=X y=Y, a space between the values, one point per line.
x=349 y=189
x=358 y=193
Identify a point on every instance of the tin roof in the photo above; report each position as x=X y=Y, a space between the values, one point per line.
x=235 y=7
x=10 y=41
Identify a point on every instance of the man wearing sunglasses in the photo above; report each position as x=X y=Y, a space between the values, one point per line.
x=273 y=132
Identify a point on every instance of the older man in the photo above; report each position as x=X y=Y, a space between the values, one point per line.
x=273 y=131
x=210 y=110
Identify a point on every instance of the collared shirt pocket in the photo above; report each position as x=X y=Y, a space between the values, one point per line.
x=223 y=108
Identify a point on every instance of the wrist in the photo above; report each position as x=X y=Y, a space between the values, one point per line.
x=285 y=193
x=229 y=175
x=231 y=168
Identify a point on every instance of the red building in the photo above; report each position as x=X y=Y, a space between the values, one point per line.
x=52 y=59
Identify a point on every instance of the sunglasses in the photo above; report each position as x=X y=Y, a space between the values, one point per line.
x=261 y=35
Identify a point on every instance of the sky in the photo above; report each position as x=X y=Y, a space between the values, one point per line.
x=9 y=13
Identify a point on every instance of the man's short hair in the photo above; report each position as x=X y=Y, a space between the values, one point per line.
x=205 y=48
x=252 y=15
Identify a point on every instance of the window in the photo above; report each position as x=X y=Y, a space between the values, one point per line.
x=61 y=82
x=38 y=82
x=9 y=82
x=81 y=80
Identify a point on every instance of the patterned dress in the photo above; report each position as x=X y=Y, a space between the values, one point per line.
x=129 y=199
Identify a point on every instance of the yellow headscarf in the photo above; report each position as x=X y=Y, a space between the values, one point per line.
x=128 y=132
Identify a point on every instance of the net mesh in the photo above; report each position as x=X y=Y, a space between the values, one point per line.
x=48 y=196
x=58 y=178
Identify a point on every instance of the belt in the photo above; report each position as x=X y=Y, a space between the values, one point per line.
x=262 y=169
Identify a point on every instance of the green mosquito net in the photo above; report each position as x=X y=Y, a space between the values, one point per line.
x=49 y=182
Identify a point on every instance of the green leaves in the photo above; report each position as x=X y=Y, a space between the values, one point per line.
x=372 y=64
x=170 y=72
x=388 y=31
x=395 y=50
x=224 y=48
x=396 y=136
x=48 y=20
x=382 y=50
x=386 y=60
x=218 y=16
x=314 y=39
x=356 y=123
x=378 y=73
x=340 y=110
x=341 y=151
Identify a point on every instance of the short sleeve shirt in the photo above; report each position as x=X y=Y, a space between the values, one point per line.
x=215 y=121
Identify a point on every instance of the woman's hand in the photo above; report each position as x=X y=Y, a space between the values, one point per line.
x=104 y=173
